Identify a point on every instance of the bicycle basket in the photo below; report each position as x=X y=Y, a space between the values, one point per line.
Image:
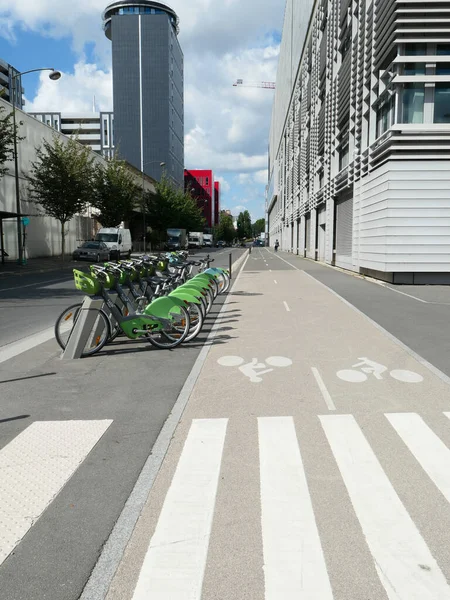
x=106 y=279
x=86 y=283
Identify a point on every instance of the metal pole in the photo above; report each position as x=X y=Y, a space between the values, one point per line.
x=229 y=263
x=2 y=243
x=144 y=211
x=16 y=178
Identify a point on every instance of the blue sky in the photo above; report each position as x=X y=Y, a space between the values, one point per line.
x=226 y=128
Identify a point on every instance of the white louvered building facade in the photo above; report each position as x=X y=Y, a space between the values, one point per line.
x=359 y=150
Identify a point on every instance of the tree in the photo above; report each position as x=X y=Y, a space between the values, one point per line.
x=258 y=227
x=225 y=229
x=6 y=139
x=61 y=180
x=114 y=193
x=244 y=225
x=172 y=207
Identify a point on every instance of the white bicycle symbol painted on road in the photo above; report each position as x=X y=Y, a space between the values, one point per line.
x=370 y=367
x=254 y=369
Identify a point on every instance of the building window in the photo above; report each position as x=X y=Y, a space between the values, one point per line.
x=343 y=156
x=413 y=103
x=443 y=69
x=443 y=49
x=415 y=49
x=207 y=181
x=105 y=132
x=385 y=116
x=442 y=103
x=414 y=69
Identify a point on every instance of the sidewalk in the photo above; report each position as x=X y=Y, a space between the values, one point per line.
x=301 y=465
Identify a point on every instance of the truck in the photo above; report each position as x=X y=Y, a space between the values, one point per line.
x=117 y=239
x=176 y=239
x=195 y=239
x=208 y=240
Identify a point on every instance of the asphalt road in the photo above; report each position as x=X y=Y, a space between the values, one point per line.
x=130 y=386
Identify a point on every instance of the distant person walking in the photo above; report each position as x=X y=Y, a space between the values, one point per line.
x=277 y=243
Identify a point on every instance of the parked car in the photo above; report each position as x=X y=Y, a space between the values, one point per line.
x=220 y=244
x=94 y=251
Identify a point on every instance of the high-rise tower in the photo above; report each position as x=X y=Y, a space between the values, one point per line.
x=147 y=66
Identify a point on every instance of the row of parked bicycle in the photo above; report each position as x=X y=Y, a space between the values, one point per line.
x=156 y=298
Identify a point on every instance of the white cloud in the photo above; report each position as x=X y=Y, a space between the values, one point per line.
x=261 y=176
x=74 y=92
x=224 y=185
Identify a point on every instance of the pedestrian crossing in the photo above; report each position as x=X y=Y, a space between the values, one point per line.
x=295 y=561
x=34 y=467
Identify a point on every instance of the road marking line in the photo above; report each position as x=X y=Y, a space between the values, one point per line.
x=15 y=348
x=323 y=388
x=34 y=467
x=428 y=449
x=275 y=281
x=175 y=561
x=396 y=545
x=286 y=306
x=294 y=564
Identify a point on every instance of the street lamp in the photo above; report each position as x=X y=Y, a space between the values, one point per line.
x=161 y=164
x=54 y=76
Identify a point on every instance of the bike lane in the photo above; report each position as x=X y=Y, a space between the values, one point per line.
x=311 y=461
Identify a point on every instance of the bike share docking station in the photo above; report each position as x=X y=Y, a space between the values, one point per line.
x=86 y=326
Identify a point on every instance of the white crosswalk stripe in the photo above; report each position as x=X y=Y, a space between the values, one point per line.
x=397 y=547
x=34 y=467
x=424 y=444
x=294 y=559
x=294 y=565
x=175 y=561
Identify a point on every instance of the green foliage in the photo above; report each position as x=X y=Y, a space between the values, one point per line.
x=258 y=227
x=114 y=193
x=61 y=180
x=172 y=207
x=244 y=225
x=225 y=229
x=6 y=139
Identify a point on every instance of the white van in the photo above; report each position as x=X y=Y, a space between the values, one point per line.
x=117 y=239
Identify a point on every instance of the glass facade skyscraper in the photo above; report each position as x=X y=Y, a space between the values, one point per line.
x=147 y=65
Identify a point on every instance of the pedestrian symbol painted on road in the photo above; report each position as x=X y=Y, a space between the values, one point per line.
x=254 y=369
x=369 y=367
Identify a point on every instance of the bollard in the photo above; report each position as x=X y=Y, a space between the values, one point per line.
x=229 y=263
x=83 y=328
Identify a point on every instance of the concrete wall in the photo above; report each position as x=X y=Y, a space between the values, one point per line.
x=43 y=233
x=405 y=218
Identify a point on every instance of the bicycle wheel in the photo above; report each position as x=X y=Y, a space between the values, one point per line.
x=100 y=334
x=224 y=282
x=174 y=334
x=197 y=319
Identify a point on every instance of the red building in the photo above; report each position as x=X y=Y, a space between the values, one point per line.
x=216 y=202
x=201 y=184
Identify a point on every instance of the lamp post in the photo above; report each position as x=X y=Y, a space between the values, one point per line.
x=161 y=164
x=54 y=76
